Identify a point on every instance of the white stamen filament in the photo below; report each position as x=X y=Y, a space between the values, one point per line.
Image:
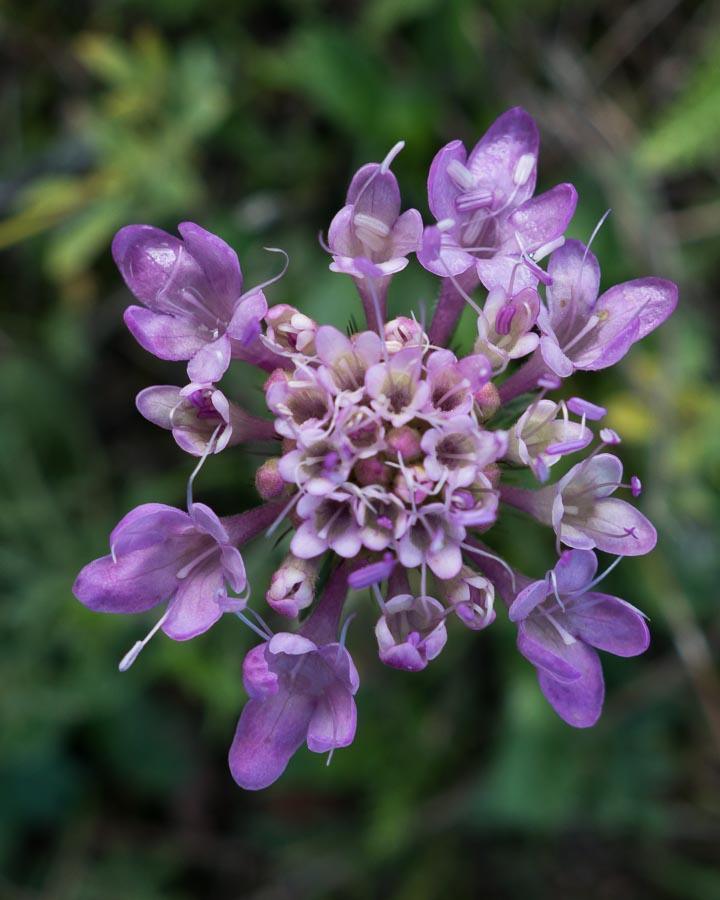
x=134 y=651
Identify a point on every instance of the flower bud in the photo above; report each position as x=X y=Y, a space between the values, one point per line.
x=292 y=587
x=268 y=481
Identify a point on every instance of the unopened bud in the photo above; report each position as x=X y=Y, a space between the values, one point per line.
x=268 y=481
x=487 y=400
x=404 y=441
x=372 y=471
x=278 y=375
x=292 y=587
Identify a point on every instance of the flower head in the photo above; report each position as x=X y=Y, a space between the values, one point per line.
x=397 y=455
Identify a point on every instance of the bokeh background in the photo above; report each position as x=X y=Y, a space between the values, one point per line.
x=249 y=117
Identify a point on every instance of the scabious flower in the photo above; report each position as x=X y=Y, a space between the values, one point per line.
x=394 y=455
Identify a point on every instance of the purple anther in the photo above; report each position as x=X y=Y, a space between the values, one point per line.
x=584 y=408
x=472 y=200
x=504 y=319
x=384 y=522
x=608 y=436
x=372 y=574
x=636 y=486
x=414 y=638
x=563 y=447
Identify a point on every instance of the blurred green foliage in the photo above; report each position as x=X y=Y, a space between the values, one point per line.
x=251 y=119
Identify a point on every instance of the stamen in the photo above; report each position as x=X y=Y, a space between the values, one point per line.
x=378 y=597
x=387 y=162
x=469 y=201
x=134 y=651
x=373 y=573
x=563 y=447
x=523 y=169
x=635 y=486
x=461 y=175
x=553 y=584
x=503 y=321
x=186 y=570
x=260 y=287
x=584 y=408
x=253 y=627
x=208 y=450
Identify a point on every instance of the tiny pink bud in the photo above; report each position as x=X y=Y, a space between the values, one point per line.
x=404 y=441
x=487 y=400
x=268 y=481
x=372 y=471
x=275 y=377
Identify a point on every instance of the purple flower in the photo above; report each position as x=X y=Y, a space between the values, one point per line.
x=191 y=291
x=584 y=331
x=201 y=413
x=159 y=553
x=370 y=238
x=298 y=691
x=485 y=207
x=539 y=438
x=410 y=632
x=561 y=623
x=370 y=225
x=582 y=512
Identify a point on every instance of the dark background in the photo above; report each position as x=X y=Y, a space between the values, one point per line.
x=250 y=118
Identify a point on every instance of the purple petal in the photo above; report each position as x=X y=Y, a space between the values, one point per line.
x=540 y=643
x=575 y=570
x=206 y=521
x=244 y=325
x=219 y=264
x=268 y=733
x=619 y=528
x=527 y=600
x=210 y=362
x=609 y=624
x=494 y=159
x=575 y=282
x=554 y=358
x=133 y=584
x=543 y=218
x=334 y=720
x=374 y=193
x=442 y=190
x=157 y=403
x=148 y=259
x=234 y=568
x=292 y=644
x=627 y=313
x=578 y=702
x=258 y=678
x=163 y=335
x=195 y=607
x=147 y=525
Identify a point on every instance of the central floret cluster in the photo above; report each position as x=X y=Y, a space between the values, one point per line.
x=385 y=447
x=393 y=456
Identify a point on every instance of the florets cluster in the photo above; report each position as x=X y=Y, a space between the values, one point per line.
x=394 y=456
